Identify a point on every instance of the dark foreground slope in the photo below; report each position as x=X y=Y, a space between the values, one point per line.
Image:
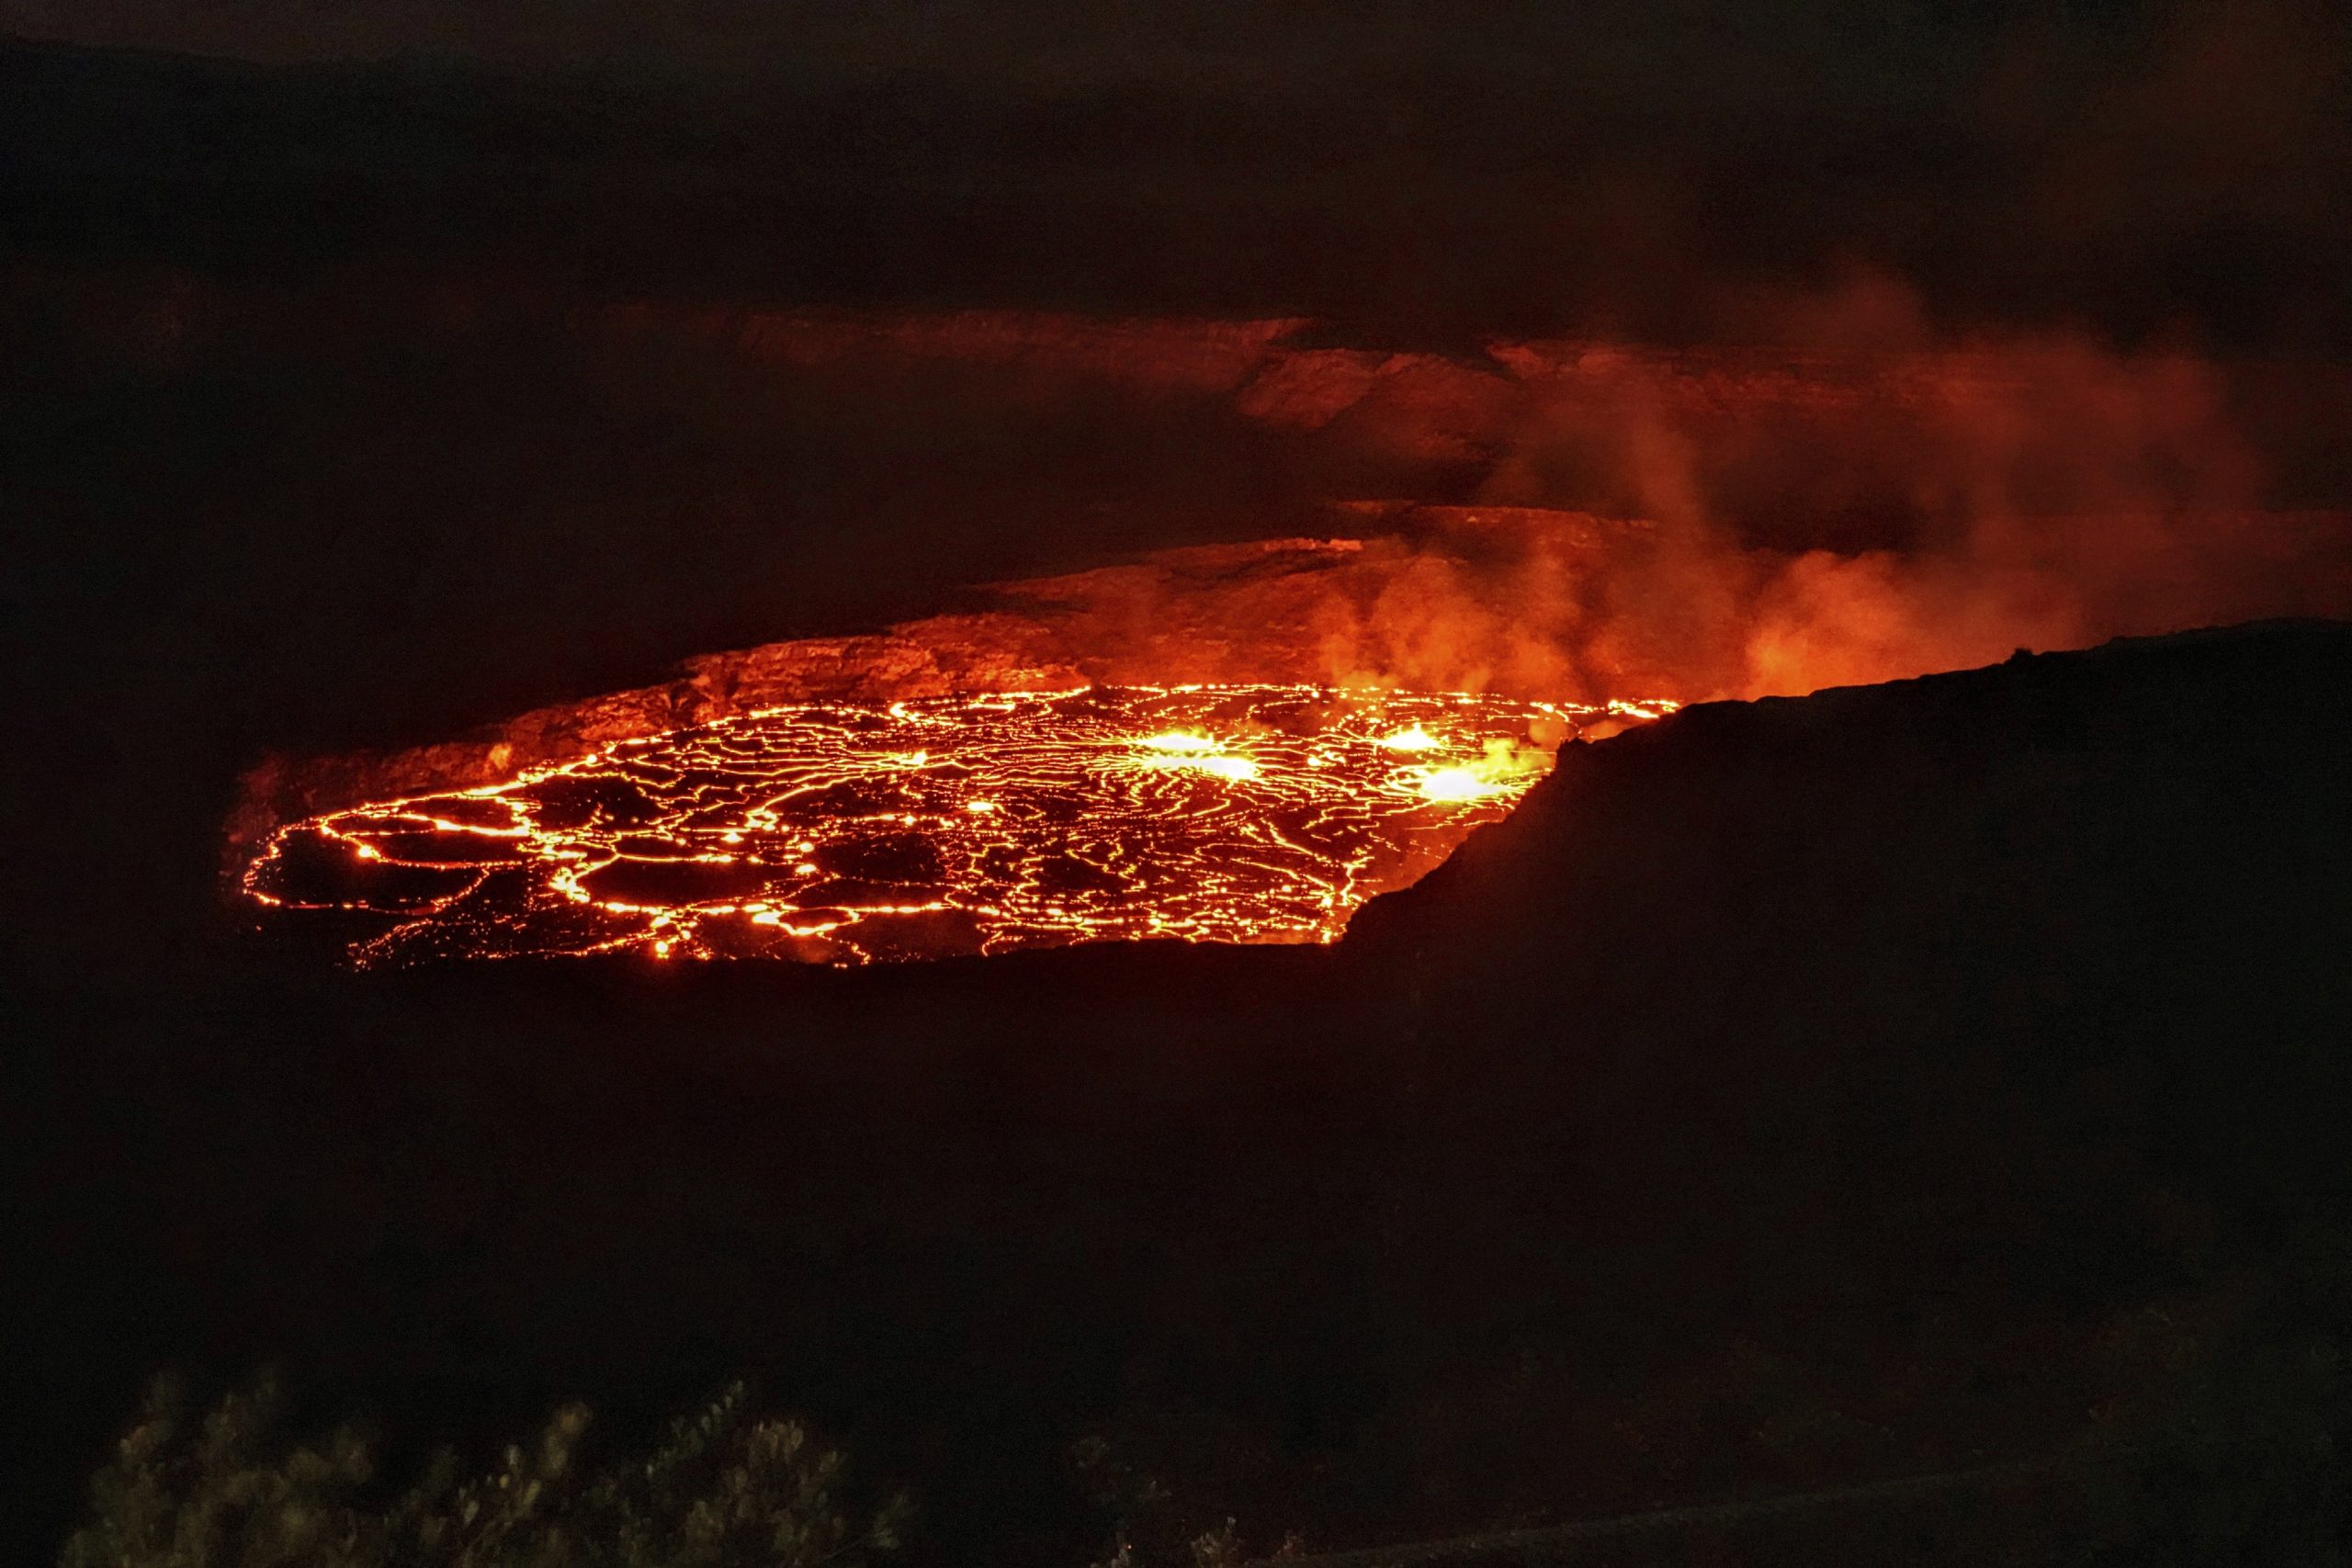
x=1791 y=1095
x=1810 y=936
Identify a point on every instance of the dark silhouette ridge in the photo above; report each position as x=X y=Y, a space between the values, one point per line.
x=1813 y=935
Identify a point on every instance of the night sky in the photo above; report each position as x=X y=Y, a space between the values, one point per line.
x=2150 y=169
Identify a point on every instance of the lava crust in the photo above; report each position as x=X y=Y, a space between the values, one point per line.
x=850 y=832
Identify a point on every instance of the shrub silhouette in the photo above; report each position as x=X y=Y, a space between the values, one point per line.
x=723 y=1489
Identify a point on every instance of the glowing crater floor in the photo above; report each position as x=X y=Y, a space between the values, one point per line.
x=848 y=833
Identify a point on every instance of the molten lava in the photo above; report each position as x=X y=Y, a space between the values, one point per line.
x=850 y=832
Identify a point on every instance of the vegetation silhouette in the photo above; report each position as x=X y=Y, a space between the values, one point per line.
x=721 y=1488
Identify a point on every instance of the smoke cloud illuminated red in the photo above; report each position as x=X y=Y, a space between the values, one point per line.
x=1630 y=526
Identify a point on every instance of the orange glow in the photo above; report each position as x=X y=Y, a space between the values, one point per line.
x=852 y=832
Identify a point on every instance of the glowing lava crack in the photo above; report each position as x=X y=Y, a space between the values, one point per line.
x=846 y=833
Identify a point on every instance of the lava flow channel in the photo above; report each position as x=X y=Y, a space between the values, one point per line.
x=847 y=833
